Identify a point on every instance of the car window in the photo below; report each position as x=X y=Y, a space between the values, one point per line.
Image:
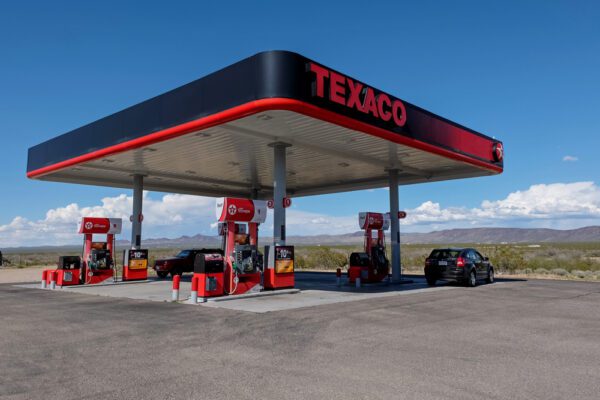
x=474 y=256
x=479 y=255
x=441 y=254
x=183 y=254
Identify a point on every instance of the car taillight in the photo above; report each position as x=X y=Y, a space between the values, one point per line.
x=427 y=262
x=460 y=262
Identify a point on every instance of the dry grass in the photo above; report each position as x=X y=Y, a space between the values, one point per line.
x=579 y=261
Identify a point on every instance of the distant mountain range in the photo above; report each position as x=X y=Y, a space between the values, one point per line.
x=472 y=235
x=506 y=235
x=450 y=236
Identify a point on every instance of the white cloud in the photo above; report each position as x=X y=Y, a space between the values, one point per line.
x=570 y=158
x=544 y=202
x=309 y=223
x=164 y=217
x=557 y=205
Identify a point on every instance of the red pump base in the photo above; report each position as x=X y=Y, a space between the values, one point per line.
x=130 y=274
x=366 y=275
x=246 y=283
x=63 y=277
x=278 y=281
x=98 y=276
x=204 y=284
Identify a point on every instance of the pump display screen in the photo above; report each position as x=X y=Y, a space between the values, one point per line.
x=137 y=259
x=284 y=259
x=247 y=259
x=99 y=259
x=99 y=246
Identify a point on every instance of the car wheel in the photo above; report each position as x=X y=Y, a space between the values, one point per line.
x=472 y=280
x=176 y=271
x=162 y=274
x=490 y=278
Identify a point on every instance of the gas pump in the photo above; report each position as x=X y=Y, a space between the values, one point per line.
x=67 y=271
x=135 y=264
x=97 y=264
x=371 y=265
x=209 y=272
x=279 y=267
x=238 y=226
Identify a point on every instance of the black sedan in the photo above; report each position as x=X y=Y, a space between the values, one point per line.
x=463 y=265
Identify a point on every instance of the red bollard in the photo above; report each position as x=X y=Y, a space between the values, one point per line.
x=52 y=280
x=194 y=294
x=44 y=279
x=338 y=274
x=175 y=295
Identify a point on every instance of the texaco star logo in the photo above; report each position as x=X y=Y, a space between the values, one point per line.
x=89 y=225
x=498 y=151
x=232 y=209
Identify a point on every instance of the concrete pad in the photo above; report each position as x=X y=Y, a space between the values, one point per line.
x=312 y=289
x=249 y=295
x=320 y=289
x=152 y=290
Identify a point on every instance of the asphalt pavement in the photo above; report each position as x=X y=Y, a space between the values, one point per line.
x=516 y=340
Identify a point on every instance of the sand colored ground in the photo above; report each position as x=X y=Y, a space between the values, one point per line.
x=13 y=275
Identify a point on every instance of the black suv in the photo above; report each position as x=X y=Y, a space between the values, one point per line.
x=457 y=264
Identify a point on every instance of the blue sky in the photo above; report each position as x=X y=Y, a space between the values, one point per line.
x=526 y=72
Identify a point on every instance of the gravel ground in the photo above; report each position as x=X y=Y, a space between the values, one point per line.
x=518 y=340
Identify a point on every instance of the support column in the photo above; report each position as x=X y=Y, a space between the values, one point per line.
x=279 y=192
x=395 y=226
x=136 y=220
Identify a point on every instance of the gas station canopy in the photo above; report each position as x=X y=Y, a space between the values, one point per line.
x=214 y=137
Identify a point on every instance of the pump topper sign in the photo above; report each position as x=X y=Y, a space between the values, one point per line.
x=241 y=210
x=100 y=225
x=340 y=89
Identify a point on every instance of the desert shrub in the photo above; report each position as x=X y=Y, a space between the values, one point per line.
x=323 y=258
x=299 y=261
x=581 y=274
x=560 y=271
x=506 y=258
x=550 y=253
x=541 y=271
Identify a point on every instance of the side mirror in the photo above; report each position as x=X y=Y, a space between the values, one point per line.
x=486 y=259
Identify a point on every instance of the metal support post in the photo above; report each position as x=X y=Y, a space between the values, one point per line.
x=395 y=226
x=279 y=192
x=136 y=218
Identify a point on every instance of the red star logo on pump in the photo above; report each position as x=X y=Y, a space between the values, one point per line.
x=232 y=209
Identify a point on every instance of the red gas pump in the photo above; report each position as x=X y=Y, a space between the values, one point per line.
x=98 y=257
x=279 y=268
x=67 y=272
x=209 y=273
x=372 y=265
x=97 y=263
x=238 y=225
x=135 y=264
